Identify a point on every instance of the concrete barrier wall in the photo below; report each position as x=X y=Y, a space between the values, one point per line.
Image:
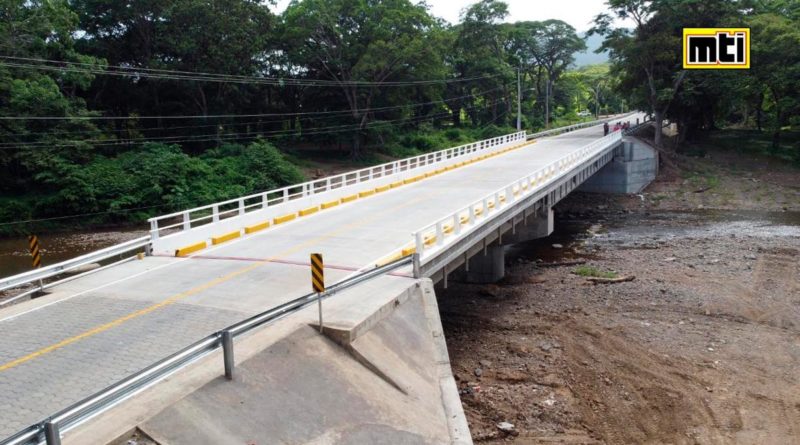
x=378 y=376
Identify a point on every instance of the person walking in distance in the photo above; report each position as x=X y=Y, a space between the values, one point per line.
x=605 y=129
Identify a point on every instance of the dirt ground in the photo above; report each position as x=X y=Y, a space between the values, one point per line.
x=703 y=346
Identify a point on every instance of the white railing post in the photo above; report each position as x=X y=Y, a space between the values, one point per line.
x=457 y=223
x=419 y=245
x=187 y=223
x=439 y=234
x=285 y=195
x=215 y=213
x=241 y=207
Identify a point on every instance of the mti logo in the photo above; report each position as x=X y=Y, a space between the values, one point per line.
x=715 y=48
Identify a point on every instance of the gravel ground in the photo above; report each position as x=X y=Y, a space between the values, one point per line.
x=701 y=347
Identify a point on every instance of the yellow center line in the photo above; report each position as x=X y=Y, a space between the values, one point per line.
x=177 y=297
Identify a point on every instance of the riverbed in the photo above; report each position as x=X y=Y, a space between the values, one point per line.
x=700 y=347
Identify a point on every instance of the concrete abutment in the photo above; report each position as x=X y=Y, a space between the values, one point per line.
x=634 y=167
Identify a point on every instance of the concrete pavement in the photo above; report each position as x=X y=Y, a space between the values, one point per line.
x=91 y=332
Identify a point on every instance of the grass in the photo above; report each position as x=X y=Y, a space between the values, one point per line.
x=589 y=271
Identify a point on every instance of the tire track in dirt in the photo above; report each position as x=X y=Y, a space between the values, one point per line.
x=773 y=295
x=629 y=394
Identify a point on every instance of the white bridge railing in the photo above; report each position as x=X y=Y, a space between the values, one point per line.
x=278 y=200
x=438 y=234
x=181 y=222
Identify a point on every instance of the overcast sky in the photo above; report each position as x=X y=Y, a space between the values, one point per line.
x=578 y=13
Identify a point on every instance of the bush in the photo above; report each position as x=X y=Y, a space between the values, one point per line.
x=161 y=177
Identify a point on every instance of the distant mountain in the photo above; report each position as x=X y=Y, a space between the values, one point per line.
x=589 y=57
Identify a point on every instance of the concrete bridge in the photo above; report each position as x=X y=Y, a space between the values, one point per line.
x=210 y=267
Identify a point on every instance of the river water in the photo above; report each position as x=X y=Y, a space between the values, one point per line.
x=15 y=257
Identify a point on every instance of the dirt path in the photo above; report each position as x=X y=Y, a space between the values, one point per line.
x=702 y=347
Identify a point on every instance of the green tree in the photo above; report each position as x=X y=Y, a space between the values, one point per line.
x=33 y=150
x=351 y=42
x=557 y=44
x=775 y=65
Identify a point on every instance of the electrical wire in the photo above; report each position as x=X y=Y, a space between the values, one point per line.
x=301 y=115
x=63 y=217
x=242 y=135
x=137 y=72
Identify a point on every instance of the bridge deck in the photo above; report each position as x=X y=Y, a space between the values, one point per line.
x=95 y=330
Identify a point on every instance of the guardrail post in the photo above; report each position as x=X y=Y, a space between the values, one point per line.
x=241 y=206
x=471 y=214
x=52 y=435
x=439 y=234
x=187 y=222
x=457 y=224
x=418 y=243
x=285 y=195
x=153 y=229
x=227 y=353
x=265 y=200
x=215 y=213
x=416 y=266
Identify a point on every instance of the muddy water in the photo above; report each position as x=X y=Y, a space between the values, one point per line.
x=15 y=258
x=578 y=238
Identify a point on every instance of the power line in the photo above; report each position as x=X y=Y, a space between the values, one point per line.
x=138 y=72
x=238 y=136
x=218 y=116
x=300 y=115
x=28 y=221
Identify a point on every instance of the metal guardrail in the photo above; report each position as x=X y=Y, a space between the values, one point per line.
x=269 y=198
x=239 y=206
x=65 y=266
x=434 y=235
x=49 y=430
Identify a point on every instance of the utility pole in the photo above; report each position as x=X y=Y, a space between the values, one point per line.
x=519 y=102
x=597 y=101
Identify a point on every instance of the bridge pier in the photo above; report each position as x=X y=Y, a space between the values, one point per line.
x=538 y=225
x=488 y=266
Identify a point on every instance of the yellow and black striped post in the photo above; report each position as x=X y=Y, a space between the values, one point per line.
x=36 y=255
x=318 y=282
x=317 y=274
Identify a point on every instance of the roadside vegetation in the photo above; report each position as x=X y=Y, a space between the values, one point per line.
x=116 y=111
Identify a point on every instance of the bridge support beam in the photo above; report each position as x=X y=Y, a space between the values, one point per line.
x=486 y=267
x=535 y=226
